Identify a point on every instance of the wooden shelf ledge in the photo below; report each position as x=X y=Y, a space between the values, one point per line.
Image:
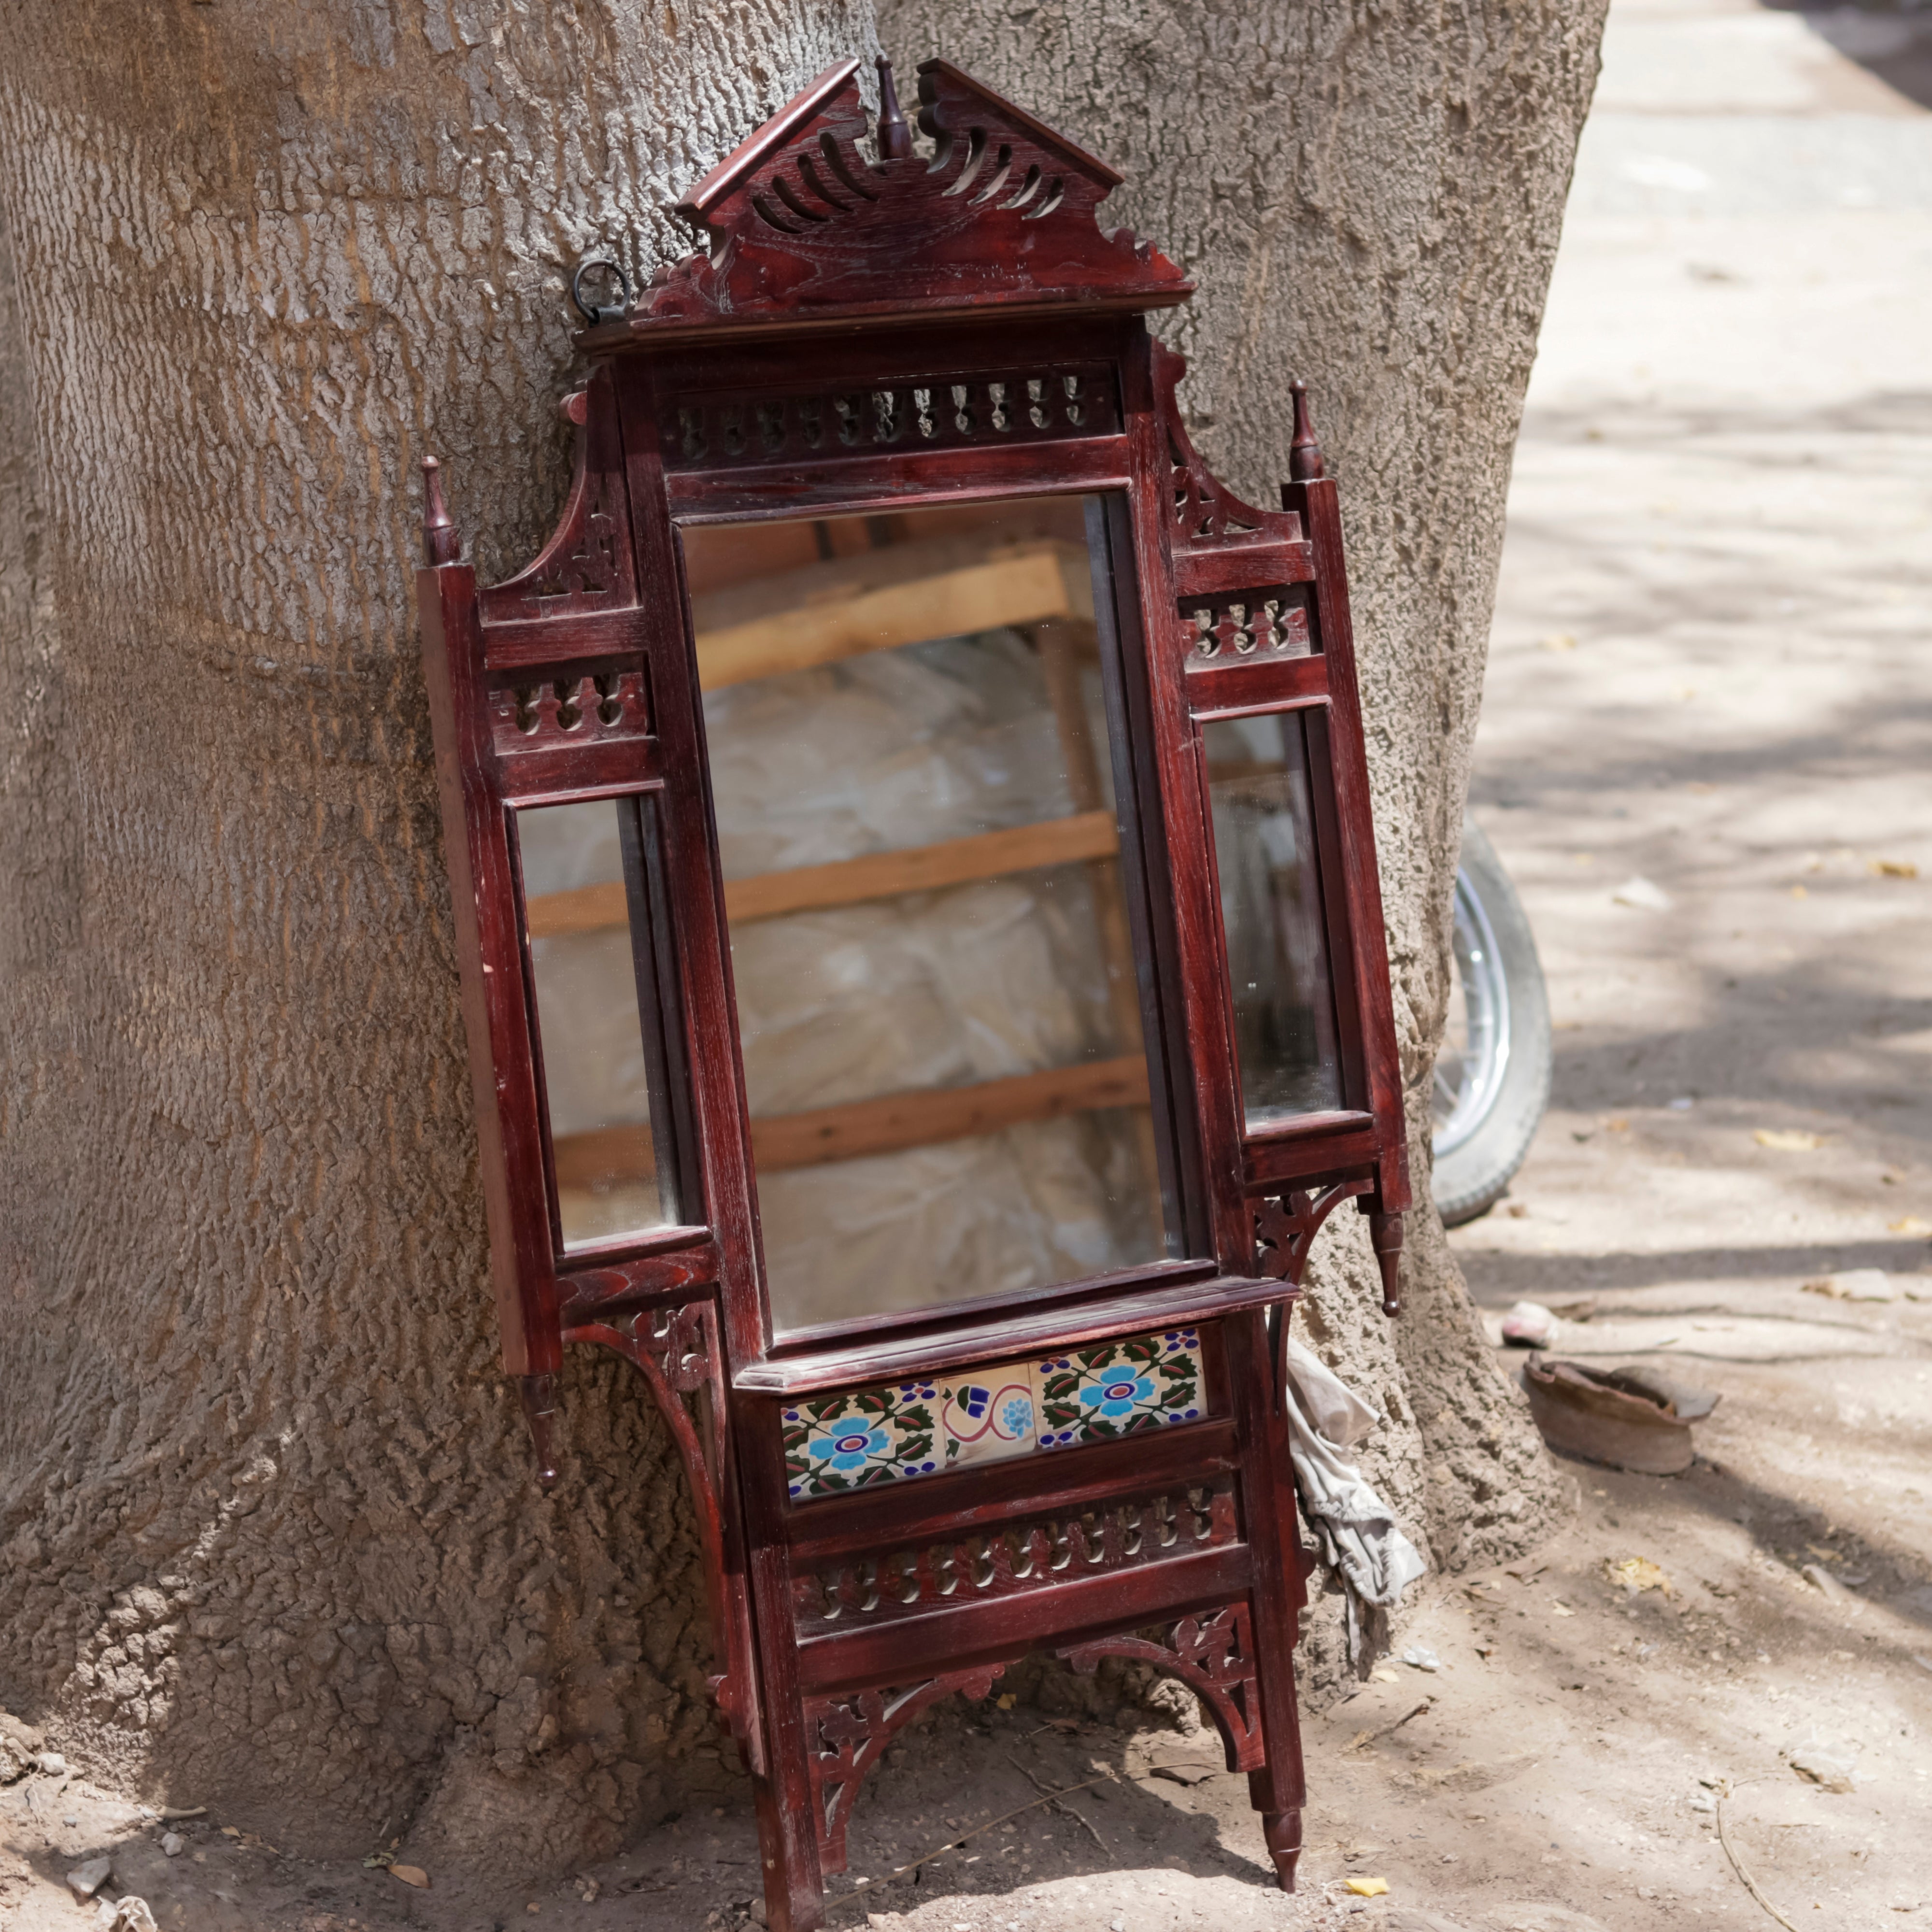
x=1149 y=1302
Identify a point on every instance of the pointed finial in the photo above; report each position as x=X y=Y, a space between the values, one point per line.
x=894 y=137
x=1385 y=1232
x=441 y=540
x=1304 y=453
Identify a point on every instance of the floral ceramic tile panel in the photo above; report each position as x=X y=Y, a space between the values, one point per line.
x=857 y=1438
x=1120 y=1388
x=988 y=1415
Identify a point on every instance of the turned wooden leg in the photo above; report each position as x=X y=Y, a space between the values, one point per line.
x=1282 y=1830
x=1277 y=1789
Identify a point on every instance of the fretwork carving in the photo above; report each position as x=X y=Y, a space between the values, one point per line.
x=802 y=220
x=590 y=569
x=935 y=412
x=1286 y=1224
x=1215 y=1655
x=586 y=566
x=846 y=1734
x=609 y=703
x=1258 y=624
x=1205 y=510
x=1017 y=1557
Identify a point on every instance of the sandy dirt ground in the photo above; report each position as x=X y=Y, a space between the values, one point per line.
x=1710 y=672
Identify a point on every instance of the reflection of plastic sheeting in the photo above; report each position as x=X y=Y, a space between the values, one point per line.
x=565 y=846
x=904 y=748
x=1271 y=916
x=940 y=988
x=587 y=1019
x=619 y=1207
x=934 y=989
x=1276 y=830
x=1038 y=1203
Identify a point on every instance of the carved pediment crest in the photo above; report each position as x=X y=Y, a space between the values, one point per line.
x=819 y=213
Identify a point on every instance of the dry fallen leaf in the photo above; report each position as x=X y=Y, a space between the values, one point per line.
x=1007 y=1702
x=1637 y=1573
x=1386 y=1677
x=1559 y=640
x=1561 y=1609
x=1911 y=1225
x=413 y=1875
x=1892 y=869
x=1366 y=1887
x=231 y=1831
x=1788 y=1140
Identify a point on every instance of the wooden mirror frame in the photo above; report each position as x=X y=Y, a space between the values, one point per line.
x=844 y=267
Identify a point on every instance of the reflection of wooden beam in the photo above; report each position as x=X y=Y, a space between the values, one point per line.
x=902 y=594
x=920 y=868
x=882 y=1125
x=584 y=909
x=923 y=1119
x=878 y=875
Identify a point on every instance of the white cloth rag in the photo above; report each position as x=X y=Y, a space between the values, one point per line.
x=1354 y=1530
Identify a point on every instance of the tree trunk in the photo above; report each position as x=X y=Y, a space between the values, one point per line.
x=268 y=1535
x=1369 y=198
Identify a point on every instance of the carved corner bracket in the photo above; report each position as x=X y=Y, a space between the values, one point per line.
x=1285 y=1225
x=675 y=1346
x=847 y=1734
x=1205 y=510
x=1214 y=1655
x=586 y=567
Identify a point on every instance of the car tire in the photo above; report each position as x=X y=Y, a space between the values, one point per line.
x=1491 y=1094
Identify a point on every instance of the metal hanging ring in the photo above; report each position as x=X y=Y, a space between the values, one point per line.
x=594 y=313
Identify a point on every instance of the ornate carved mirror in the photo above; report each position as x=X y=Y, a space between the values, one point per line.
x=920 y=944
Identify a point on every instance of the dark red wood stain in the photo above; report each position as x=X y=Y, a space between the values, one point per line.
x=828 y=269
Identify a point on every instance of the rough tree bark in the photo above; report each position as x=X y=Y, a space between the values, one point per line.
x=1369 y=198
x=266 y=1534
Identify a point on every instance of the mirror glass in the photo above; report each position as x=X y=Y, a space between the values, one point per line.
x=1271 y=912
x=588 y=873
x=916 y=779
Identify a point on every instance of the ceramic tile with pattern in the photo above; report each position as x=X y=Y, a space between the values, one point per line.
x=988 y=1415
x=857 y=1438
x=1120 y=1388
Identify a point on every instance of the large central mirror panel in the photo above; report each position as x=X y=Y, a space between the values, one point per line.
x=923 y=794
